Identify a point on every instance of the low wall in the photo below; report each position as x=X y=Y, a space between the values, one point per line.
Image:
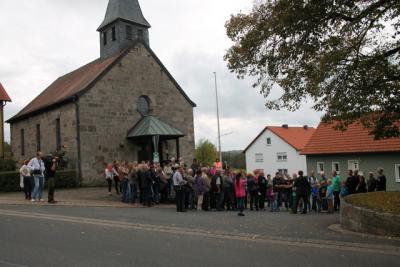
x=367 y=221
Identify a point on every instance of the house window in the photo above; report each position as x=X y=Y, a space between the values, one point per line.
x=22 y=142
x=320 y=167
x=283 y=171
x=282 y=156
x=58 y=134
x=397 y=172
x=353 y=165
x=268 y=141
x=143 y=106
x=259 y=157
x=38 y=145
x=104 y=38
x=140 y=34
x=336 y=167
x=128 y=30
x=113 y=34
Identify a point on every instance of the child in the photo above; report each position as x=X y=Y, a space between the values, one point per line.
x=240 y=191
x=329 y=196
x=271 y=198
x=316 y=206
x=344 y=191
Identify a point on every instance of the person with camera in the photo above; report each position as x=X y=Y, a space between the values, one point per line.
x=36 y=165
x=51 y=164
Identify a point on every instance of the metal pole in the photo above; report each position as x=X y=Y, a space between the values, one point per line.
x=219 y=128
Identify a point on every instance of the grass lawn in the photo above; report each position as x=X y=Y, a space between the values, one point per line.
x=379 y=201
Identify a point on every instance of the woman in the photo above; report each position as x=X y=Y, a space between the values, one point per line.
x=110 y=172
x=26 y=180
x=116 y=176
x=240 y=192
x=362 y=185
x=199 y=188
x=133 y=182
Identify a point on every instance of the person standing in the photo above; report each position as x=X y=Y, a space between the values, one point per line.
x=302 y=187
x=262 y=184
x=116 y=177
x=329 y=196
x=195 y=166
x=381 y=181
x=199 y=188
x=179 y=184
x=362 y=185
x=51 y=167
x=110 y=172
x=252 y=186
x=240 y=192
x=36 y=165
x=336 y=190
x=371 y=182
x=219 y=193
x=26 y=180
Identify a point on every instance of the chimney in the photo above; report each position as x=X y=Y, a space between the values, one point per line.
x=305 y=127
x=285 y=126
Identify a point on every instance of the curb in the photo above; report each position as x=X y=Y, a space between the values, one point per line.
x=338 y=229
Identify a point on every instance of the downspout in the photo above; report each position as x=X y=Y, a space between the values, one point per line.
x=78 y=140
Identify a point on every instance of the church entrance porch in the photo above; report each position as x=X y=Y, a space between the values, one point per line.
x=156 y=141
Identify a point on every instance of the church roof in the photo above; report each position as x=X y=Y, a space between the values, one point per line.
x=3 y=94
x=128 y=10
x=70 y=86
x=151 y=126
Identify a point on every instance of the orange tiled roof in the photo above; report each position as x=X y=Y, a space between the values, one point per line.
x=67 y=86
x=3 y=94
x=327 y=140
x=297 y=137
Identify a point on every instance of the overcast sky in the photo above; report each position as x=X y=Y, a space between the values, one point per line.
x=44 y=39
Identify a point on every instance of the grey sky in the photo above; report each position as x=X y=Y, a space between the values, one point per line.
x=44 y=39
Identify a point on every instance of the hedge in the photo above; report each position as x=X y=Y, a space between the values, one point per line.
x=7 y=165
x=9 y=181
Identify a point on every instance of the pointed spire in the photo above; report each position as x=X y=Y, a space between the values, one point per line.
x=128 y=10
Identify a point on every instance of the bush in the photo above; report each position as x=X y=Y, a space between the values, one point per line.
x=9 y=181
x=8 y=165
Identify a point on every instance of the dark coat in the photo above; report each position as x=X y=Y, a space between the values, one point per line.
x=302 y=186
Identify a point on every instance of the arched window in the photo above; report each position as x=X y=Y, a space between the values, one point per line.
x=143 y=106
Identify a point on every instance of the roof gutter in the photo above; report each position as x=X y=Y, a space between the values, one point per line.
x=78 y=140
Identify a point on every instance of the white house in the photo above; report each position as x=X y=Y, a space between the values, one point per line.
x=278 y=149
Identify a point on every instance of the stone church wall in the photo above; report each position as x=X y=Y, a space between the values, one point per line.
x=109 y=110
x=47 y=122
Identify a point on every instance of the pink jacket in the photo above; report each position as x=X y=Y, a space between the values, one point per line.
x=240 y=189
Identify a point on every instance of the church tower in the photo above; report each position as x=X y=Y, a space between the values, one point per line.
x=123 y=25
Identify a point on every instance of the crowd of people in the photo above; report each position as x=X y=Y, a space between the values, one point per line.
x=217 y=189
x=33 y=174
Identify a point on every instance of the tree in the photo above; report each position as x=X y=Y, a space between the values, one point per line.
x=343 y=55
x=206 y=152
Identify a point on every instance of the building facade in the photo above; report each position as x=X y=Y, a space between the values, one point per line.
x=330 y=150
x=123 y=106
x=278 y=149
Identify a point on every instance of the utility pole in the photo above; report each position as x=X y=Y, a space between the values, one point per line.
x=219 y=128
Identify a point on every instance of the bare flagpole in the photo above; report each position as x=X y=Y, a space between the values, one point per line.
x=219 y=128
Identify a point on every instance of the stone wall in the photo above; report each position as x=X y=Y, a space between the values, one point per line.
x=47 y=122
x=367 y=221
x=109 y=110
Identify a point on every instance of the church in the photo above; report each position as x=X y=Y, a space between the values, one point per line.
x=125 y=105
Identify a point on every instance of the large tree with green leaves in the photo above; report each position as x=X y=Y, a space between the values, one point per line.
x=344 y=55
x=206 y=152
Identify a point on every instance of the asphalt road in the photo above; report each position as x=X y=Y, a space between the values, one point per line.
x=72 y=236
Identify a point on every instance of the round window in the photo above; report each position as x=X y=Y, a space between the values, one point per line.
x=143 y=106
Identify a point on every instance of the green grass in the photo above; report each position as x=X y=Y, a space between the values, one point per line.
x=380 y=201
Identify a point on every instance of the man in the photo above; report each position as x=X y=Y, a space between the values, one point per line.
x=195 y=166
x=219 y=194
x=302 y=187
x=36 y=165
x=352 y=182
x=381 y=181
x=336 y=190
x=51 y=167
x=277 y=188
x=179 y=183
x=371 y=182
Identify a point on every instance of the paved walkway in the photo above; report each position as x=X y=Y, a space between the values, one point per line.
x=82 y=197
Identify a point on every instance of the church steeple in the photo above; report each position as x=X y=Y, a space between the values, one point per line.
x=123 y=24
